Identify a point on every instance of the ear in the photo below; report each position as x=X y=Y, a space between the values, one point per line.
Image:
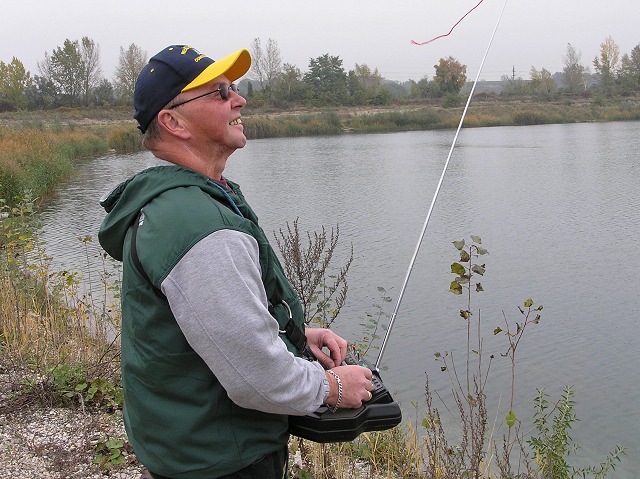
x=171 y=122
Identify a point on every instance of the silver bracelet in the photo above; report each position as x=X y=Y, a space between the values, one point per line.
x=335 y=408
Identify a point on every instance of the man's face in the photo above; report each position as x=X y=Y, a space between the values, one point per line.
x=212 y=120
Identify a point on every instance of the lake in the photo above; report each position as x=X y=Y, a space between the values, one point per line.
x=556 y=206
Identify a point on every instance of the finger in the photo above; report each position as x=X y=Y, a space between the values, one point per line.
x=335 y=350
x=322 y=357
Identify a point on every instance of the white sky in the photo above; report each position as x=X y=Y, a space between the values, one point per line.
x=377 y=33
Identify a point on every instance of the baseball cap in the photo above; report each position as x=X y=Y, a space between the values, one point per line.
x=176 y=69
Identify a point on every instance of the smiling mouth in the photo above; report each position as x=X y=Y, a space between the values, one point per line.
x=237 y=121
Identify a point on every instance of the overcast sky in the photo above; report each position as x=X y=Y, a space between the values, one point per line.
x=377 y=33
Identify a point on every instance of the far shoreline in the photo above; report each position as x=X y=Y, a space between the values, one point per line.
x=484 y=110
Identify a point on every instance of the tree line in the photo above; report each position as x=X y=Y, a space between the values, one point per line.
x=71 y=76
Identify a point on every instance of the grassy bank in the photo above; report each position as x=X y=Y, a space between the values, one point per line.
x=37 y=159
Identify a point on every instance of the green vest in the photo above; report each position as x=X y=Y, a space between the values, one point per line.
x=177 y=415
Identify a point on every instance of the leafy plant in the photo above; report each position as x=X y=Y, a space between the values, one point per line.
x=553 y=444
x=321 y=292
x=466 y=457
x=514 y=338
x=111 y=452
x=72 y=383
x=373 y=323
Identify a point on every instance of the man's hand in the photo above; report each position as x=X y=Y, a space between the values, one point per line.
x=317 y=338
x=356 y=386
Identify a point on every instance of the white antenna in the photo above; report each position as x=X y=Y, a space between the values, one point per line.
x=435 y=196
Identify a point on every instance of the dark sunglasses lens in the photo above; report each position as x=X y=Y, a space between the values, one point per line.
x=224 y=90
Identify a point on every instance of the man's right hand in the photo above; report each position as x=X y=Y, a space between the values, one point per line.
x=356 y=386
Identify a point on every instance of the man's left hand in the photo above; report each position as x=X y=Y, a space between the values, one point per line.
x=317 y=338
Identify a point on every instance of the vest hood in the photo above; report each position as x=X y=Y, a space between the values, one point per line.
x=125 y=201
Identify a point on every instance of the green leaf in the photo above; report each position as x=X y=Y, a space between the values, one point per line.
x=497 y=331
x=478 y=268
x=455 y=288
x=115 y=443
x=457 y=268
x=481 y=251
x=92 y=392
x=464 y=257
x=465 y=314
x=479 y=288
x=528 y=303
x=81 y=386
x=458 y=244
x=476 y=239
x=462 y=279
x=511 y=419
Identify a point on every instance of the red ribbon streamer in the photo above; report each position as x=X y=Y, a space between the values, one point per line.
x=413 y=42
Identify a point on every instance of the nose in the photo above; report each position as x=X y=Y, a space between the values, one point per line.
x=238 y=100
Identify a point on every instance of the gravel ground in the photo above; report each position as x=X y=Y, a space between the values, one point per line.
x=56 y=443
x=42 y=442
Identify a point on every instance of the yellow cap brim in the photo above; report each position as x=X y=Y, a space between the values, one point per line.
x=232 y=66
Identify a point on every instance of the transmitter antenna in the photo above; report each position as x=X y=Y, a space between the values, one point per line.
x=435 y=196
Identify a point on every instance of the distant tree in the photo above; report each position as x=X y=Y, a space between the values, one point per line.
x=450 y=75
x=327 y=79
x=103 y=94
x=630 y=71
x=606 y=65
x=15 y=80
x=92 y=71
x=542 y=82
x=130 y=63
x=574 y=73
x=357 y=93
x=289 y=86
x=513 y=86
x=65 y=69
x=43 y=94
x=370 y=80
x=266 y=66
x=424 y=88
x=396 y=89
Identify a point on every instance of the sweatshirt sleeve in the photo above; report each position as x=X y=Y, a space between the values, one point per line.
x=217 y=297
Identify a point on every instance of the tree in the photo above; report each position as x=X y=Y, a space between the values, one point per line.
x=267 y=64
x=43 y=94
x=130 y=63
x=15 y=80
x=357 y=94
x=369 y=79
x=542 y=82
x=606 y=65
x=327 y=79
x=103 y=94
x=630 y=71
x=65 y=69
x=450 y=75
x=424 y=88
x=513 y=86
x=574 y=73
x=289 y=86
x=92 y=72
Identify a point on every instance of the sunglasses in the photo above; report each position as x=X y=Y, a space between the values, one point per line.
x=223 y=90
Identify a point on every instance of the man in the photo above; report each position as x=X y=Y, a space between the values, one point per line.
x=209 y=373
